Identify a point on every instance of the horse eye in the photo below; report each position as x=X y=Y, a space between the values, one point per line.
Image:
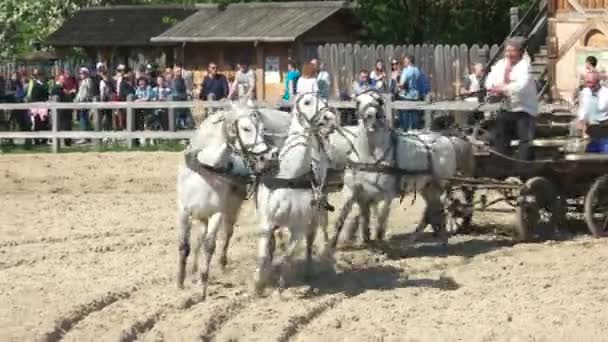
x=247 y=129
x=307 y=103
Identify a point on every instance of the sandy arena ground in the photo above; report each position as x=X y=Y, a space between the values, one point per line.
x=88 y=253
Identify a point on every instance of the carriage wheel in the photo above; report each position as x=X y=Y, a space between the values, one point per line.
x=596 y=207
x=459 y=210
x=538 y=210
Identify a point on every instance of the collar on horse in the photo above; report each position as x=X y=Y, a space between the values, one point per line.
x=224 y=172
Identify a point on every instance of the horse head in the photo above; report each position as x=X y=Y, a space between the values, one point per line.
x=314 y=113
x=245 y=130
x=370 y=108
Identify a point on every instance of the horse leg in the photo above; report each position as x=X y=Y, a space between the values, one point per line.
x=266 y=247
x=384 y=208
x=228 y=223
x=285 y=265
x=310 y=241
x=198 y=244
x=365 y=229
x=209 y=245
x=183 y=222
x=323 y=223
x=348 y=205
x=434 y=213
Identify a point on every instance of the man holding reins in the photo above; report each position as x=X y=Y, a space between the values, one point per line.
x=510 y=77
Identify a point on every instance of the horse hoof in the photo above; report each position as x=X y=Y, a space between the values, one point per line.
x=223 y=263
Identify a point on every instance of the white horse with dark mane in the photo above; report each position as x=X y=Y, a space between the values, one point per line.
x=292 y=196
x=384 y=164
x=212 y=184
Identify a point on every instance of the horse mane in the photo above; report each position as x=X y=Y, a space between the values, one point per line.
x=212 y=130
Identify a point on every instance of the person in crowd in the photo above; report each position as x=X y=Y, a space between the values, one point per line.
x=470 y=90
x=363 y=83
x=118 y=78
x=510 y=77
x=143 y=93
x=162 y=92
x=85 y=94
x=323 y=78
x=291 y=81
x=15 y=93
x=70 y=84
x=61 y=93
x=125 y=87
x=395 y=76
x=231 y=86
x=472 y=82
x=408 y=91
x=107 y=93
x=141 y=72
x=168 y=75
x=244 y=83
x=593 y=110
x=38 y=92
x=307 y=83
x=179 y=92
x=215 y=85
x=379 y=77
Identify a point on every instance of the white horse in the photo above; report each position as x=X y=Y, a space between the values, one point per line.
x=212 y=186
x=374 y=185
x=292 y=197
x=385 y=163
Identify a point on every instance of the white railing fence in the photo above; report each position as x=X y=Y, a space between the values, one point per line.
x=130 y=106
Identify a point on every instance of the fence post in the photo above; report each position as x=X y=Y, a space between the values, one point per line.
x=55 y=123
x=130 y=121
x=98 y=120
x=514 y=16
x=388 y=110
x=171 y=116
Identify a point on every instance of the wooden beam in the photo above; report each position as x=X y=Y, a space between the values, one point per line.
x=259 y=74
x=577 y=6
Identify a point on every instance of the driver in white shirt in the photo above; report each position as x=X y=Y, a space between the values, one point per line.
x=593 y=107
x=510 y=77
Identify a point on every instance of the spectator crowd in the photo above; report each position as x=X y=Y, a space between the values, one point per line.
x=404 y=81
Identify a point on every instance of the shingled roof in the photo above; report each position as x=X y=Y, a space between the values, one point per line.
x=262 y=22
x=118 y=25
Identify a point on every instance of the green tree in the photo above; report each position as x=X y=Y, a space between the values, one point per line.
x=437 y=21
x=25 y=22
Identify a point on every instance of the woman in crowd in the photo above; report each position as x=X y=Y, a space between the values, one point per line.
x=38 y=92
x=395 y=76
x=378 y=76
x=307 y=83
x=85 y=94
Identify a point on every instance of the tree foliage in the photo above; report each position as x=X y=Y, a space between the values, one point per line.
x=438 y=21
x=26 y=22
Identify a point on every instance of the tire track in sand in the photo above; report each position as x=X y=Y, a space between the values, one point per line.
x=66 y=322
x=278 y=317
x=298 y=322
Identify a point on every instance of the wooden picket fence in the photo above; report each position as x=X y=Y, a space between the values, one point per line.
x=445 y=65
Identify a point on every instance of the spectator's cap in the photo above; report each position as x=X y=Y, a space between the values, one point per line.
x=121 y=67
x=149 y=67
x=100 y=66
x=84 y=71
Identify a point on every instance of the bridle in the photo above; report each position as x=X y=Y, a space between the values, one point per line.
x=378 y=104
x=242 y=149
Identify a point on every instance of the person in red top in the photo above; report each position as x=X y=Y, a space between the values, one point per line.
x=70 y=85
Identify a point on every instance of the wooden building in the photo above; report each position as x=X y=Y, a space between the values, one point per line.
x=267 y=35
x=121 y=34
x=577 y=29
